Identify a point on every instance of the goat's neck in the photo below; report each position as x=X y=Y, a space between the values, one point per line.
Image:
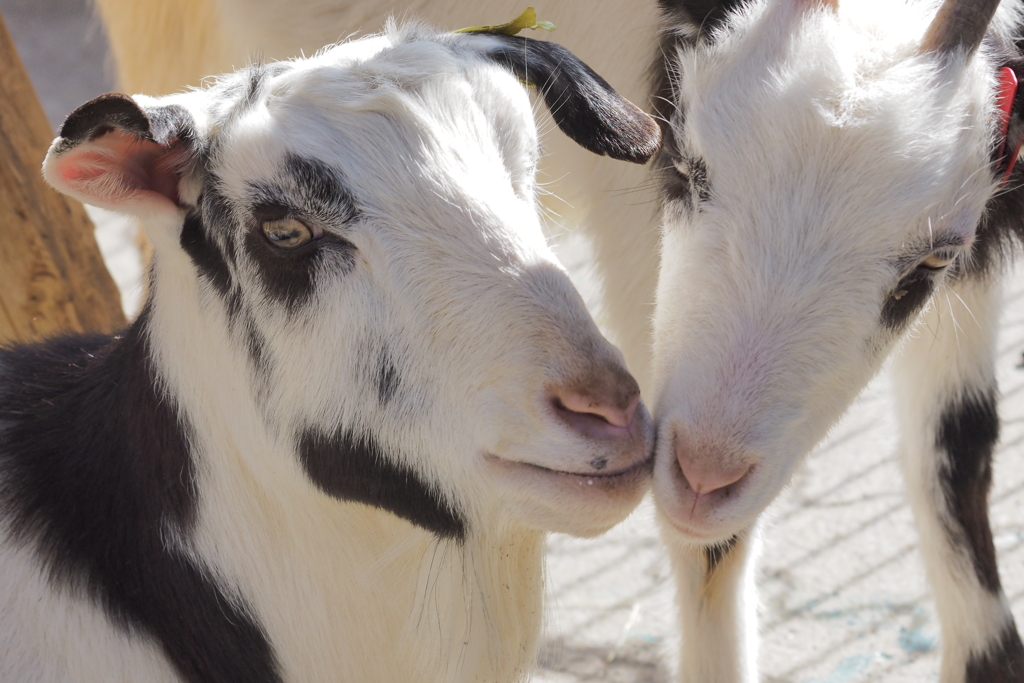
x=335 y=584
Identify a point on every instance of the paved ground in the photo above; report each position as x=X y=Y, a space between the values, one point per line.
x=843 y=594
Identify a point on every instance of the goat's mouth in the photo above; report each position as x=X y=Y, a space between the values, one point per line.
x=571 y=501
x=640 y=469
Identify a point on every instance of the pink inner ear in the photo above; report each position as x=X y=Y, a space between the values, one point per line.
x=119 y=171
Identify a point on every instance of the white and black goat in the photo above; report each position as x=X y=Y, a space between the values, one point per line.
x=832 y=196
x=359 y=392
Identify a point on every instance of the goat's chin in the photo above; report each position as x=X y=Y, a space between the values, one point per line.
x=714 y=518
x=580 y=504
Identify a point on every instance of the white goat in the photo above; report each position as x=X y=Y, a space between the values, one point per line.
x=161 y=45
x=831 y=194
x=360 y=390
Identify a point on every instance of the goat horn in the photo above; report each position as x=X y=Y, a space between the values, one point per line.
x=960 y=24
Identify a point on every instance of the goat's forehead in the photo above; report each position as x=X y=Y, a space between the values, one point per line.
x=841 y=114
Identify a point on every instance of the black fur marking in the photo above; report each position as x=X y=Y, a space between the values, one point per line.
x=164 y=125
x=387 y=377
x=96 y=469
x=1004 y=663
x=316 y=193
x=355 y=468
x=703 y=15
x=204 y=252
x=968 y=432
x=904 y=302
x=171 y=122
x=256 y=344
x=582 y=103
x=324 y=191
x=101 y=115
x=714 y=554
x=255 y=77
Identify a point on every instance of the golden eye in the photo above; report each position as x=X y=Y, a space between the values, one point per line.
x=939 y=260
x=288 y=233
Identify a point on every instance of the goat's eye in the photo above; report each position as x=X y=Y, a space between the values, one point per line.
x=288 y=233
x=938 y=260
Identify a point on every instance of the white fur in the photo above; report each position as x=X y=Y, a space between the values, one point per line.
x=454 y=277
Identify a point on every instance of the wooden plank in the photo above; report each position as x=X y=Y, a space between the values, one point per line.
x=52 y=277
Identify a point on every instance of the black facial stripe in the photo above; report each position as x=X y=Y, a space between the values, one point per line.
x=699 y=178
x=968 y=432
x=1003 y=663
x=96 y=467
x=256 y=344
x=910 y=294
x=355 y=468
x=387 y=377
x=197 y=242
x=714 y=554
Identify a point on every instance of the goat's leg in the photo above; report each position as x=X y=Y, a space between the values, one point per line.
x=947 y=394
x=717 y=602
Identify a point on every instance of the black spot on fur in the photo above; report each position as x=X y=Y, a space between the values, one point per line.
x=906 y=300
x=356 y=468
x=714 y=554
x=968 y=432
x=582 y=103
x=96 y=471
x=1004 y=663
x=387 y=377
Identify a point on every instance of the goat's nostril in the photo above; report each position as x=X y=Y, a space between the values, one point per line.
x=588 y=405
x=599 y=463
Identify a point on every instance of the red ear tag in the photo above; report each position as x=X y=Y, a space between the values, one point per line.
x=1007 y=91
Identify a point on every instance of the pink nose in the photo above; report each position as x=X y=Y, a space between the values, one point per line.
x=704 y=479
x=603 y=409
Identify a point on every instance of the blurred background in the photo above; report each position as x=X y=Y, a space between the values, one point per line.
x=843 y=594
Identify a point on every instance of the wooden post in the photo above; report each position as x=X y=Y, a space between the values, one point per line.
x=52 y=277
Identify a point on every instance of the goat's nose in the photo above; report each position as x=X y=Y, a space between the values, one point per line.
x=704 y=475
x=617 y=415
x=602 y=410
x=708 y=480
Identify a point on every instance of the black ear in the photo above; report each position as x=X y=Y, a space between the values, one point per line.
x=115 y=111
x=582 y=103
x=701 y=16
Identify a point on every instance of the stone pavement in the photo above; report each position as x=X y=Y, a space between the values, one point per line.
x=843 y=594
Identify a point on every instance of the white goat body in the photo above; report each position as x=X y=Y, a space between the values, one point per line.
x=360 y=390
